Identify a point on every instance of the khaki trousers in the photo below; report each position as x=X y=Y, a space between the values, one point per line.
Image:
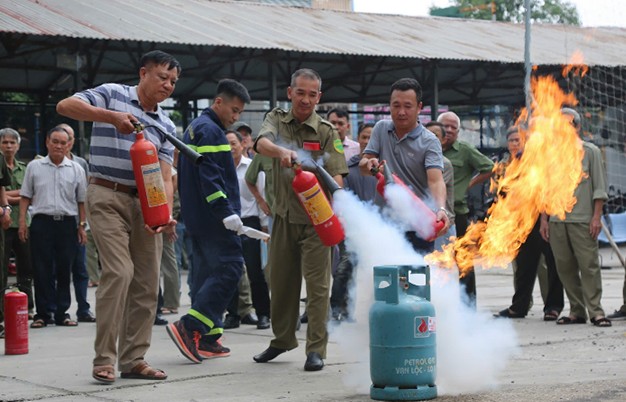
x=296 y=251
x=577 y=263
x=171 y=276
x=126 y=298
x=92 y=258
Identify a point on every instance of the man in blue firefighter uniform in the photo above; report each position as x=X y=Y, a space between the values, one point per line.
x=210 y=207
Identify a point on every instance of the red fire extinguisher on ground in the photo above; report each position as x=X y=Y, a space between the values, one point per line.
x=150 y=185
x=317 y=207
x=15 y=322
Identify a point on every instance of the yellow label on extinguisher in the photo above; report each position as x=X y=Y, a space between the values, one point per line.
x=316 y=204
x=153 y=183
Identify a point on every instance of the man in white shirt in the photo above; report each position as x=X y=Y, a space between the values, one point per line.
x=251 y=216
x=55 y=187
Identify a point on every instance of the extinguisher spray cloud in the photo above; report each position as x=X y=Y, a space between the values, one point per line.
x=472 y=348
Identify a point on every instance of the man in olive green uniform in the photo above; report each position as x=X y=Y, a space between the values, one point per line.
x=5 y=222
x=9 y=146
x=296 y=250
x=574 y=240
x=470 y=169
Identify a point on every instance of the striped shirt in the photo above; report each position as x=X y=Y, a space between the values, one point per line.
x=109 y=153
x=54 y=190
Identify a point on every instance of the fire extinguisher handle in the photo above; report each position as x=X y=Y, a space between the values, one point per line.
x=193 y=156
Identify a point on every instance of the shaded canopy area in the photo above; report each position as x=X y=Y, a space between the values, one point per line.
x=51 y=48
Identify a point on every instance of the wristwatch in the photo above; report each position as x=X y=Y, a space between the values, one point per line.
x=83 y=224
x=448 y=214
x=4 y=209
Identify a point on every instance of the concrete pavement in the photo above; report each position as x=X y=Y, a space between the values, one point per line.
x=555 y=363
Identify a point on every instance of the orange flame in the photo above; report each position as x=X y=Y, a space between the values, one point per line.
x=543 y=179
x=576 y=65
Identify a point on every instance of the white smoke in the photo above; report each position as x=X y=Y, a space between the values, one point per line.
x=402 y=209
x=472 y=348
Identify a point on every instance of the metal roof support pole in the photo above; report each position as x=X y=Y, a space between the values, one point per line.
x=273 y=91
x=481 y=117
x=82 y=140
x=527 y=65
x=434 y=108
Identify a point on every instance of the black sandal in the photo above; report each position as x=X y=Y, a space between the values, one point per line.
x=38 y=323
x=507 y=313
x=551 y=315
x=601 y=322
x=67 y=323
x=569 y=320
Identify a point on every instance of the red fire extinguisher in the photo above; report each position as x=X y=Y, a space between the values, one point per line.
x=317 y=207
x=389 y=177
x=150 y=185
x=15 y=322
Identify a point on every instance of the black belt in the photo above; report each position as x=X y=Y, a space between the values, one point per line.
x=54 y=217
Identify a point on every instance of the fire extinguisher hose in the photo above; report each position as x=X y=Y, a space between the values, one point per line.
x=193 y=156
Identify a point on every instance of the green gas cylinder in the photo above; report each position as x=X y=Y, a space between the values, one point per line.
x=402 y=335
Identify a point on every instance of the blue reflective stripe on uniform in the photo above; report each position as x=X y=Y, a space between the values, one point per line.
x=215 y=196
x=205 y=149
x=216 y=331
x=205 y=320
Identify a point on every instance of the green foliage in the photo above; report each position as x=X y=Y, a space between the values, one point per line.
x=16 y=97
x=176 y=117
x=546 y=11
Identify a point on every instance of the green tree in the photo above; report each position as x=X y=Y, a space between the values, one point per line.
x=547 y=11
x=16 y=97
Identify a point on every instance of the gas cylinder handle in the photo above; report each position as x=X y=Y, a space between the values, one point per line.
x=193 y=156
x=390 y=293
x=419 y=290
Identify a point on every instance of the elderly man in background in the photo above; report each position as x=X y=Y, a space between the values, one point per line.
x=574 y=240
x=471 y=168
x=55 y=188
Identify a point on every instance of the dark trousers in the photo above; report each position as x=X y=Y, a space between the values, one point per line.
x=254 y=268
x=81 y=280
x=213 y=286
x=469 y=279
x=420 y=245
x=342 y=279
x=526 y=275
x=22 y=261
x=53 y=249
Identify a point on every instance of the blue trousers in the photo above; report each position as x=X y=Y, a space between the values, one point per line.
x=54 y=244
x=81 y=280
x=212 y=287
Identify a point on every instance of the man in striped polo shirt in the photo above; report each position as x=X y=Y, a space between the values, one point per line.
x=129 y=250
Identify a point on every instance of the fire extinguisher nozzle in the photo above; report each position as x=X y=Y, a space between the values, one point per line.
x=138 y=126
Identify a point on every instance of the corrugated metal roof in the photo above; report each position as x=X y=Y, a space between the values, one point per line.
x=260 y=26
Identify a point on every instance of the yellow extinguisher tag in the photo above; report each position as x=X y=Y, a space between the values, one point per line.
x=153 y=182
x=316 y=204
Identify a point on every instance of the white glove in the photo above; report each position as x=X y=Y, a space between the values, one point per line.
x=233 y=222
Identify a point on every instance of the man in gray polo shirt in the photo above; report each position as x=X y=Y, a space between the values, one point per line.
x=411 y=152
